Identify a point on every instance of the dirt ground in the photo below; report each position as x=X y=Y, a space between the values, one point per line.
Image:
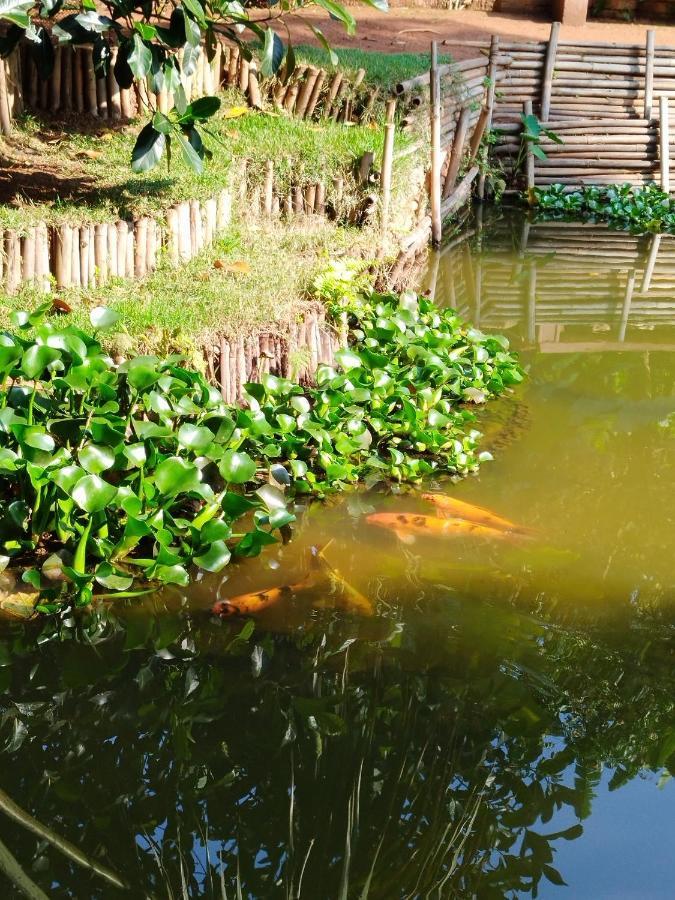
x=410 y=29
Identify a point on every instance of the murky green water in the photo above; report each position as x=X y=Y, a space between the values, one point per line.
x=501 y=723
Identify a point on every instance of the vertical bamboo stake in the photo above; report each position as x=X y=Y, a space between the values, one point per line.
x=457 y=150
x=55 y=82
x=173 y=231
x=651 y=263
x=306 y=90
x=649 y=73
x=131 y=250
x=42 y=257
x=529 y=155
x=113 y=268
x=664 y=149
x=101 y=252
x=122 y=236
x=75 y=267
x=224 y=211
x=102 y=97
x=114 y=88
x=549 y=66
x=5 y=117
x=627 y=300
x=12 y=262
x=151 y=245
x=184 y=240
x=387 y=166
x=78 y=80
x=140 y=247
x=28 y=255
x=490 y=105
x=83 y=248
x=225 y=389
x=67 y=77
x=436 y=161
x=90 y=77
x=210 y=219
x=316 y=93
x=63 y=242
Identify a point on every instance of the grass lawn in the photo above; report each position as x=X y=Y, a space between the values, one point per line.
x=55 y=174
x=383 y=70
x=177 y=309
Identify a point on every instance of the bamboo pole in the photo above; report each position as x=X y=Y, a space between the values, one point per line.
x=625 y=310
x=306 y=91
x=67 y=76
x=63 y=239
x=78 y=79
x=387 y=166
x=113 y=88
x=490 y=104
x=549 y=66
x=42 y=257
x=457 y=151
x=75 y=267
x=651 y=262
x=122 y=229
x=268 y=189
x=5 y=117
x=436 y=160
x=316 y=93
x=90 y=82
x=101 y=252
x=664 y=151
x=254 y=97
x=649 y=73
x=529 y=155
x=27 y=253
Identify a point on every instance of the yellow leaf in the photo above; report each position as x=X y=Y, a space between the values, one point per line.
x=234 y=112
x=239 y=266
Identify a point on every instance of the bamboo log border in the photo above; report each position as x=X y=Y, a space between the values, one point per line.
x=74 y=85
x=294 y=351
x=88 y=255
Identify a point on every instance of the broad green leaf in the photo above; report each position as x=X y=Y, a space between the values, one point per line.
x=215 y=558
x=93 y=494
x=237 y=468
x=103 y=318
x=148 y=149
x=36 y=359
x=96 y=458
x=177 y=476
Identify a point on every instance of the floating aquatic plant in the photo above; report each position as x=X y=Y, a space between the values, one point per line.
x=623 y=206
x=114 y=474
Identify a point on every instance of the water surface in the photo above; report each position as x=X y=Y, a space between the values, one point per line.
x=501 y=724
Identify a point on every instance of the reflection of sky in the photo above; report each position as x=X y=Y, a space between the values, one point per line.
x=627 y=850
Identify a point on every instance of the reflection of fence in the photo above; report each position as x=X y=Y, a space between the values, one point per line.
x=565 y=286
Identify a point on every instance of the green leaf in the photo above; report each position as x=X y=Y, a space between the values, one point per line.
x=201 y=109
x=148 y=149
x=177 y=476
x=273 y=53
x=195 y=437
x=321 y=38
x=36 y=359
x=93 y=494
x=349 y=360
x=191 y=156
x=140 y=57
x=236 y=467
x=96 y=459
x=215 y=558
x=111 y=578
x=103 y=318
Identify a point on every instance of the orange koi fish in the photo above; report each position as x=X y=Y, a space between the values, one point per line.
x=347 y=596
x=458 y=509
x=252 y=604
x=407 y=525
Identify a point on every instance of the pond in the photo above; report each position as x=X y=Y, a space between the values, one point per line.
x=421 y=714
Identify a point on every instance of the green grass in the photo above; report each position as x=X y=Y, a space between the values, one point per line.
x=179 y=309
x=97 y=182
x=383 y=70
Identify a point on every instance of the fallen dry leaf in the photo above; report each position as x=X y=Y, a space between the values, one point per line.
x=240 y=266
x=89 y=154
x=60 y=306
x=234 y=112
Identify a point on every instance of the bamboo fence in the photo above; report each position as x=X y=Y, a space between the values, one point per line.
x=74 y=86
x=294 y=351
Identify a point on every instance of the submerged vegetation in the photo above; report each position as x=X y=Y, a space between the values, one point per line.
x=109 y=470
x=622 y=206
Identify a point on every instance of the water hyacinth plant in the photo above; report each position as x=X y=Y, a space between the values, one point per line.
x=622 y=206
x=116 y=477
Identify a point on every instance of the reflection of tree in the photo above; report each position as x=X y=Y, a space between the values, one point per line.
x=426 y=763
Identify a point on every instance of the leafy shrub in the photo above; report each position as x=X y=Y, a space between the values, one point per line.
x=624 y=206
x=112 y=471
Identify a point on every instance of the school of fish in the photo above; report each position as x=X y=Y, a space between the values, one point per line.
x=455 y=518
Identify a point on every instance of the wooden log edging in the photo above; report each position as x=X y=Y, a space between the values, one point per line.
x=88 y=255
x=294 y=351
